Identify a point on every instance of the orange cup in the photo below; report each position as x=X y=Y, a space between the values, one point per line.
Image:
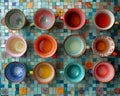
x=45 y=46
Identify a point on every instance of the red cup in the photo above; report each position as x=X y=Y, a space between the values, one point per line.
x=74 y=19
x=45 y=46
x=103 y=71
x=44 y=19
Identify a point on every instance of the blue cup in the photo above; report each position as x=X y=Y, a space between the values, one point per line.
x=74 y=72
x=15 y=72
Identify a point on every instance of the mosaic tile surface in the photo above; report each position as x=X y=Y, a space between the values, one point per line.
x=60 y=86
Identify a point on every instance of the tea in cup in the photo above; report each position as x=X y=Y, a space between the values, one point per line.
x=15 y=72
x=103 y=46
x=74 y=19
x=74 y=72
x=45 y=46
x=103 y=19
x=44 y=19
x=16 y=46
x=44 y=72
x=103 y=71
x=74 y=45
x=15 y=19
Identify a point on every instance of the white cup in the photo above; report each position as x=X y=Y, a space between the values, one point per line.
x=111 y=17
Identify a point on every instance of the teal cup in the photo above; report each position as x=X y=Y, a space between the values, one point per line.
x=74 y=45
x=74 y=72
x=15 y=19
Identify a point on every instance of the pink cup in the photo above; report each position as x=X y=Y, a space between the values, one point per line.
x=74 y=19
x=44 y=19
x=103 y=71
x=16 y=46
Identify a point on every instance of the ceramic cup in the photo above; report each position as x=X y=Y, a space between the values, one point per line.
x=44 y=19
x=74 y=45
x=74 y=72
x=44 y=72
x=45 y=46
x=15 y=72
x=103 y=19
x=74 y=19
x=15 y=19
x=103 y=71
x=16 y=46
x=103 y=46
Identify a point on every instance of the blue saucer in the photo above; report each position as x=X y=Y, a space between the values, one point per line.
x=74 y=72
x=15 y=72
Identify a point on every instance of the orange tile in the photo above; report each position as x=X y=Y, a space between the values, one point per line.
x=23 y=91
x=60 y=90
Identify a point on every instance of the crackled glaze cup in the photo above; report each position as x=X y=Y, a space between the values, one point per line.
x=15 y=19
x=44 y=72
x=74 y=45
x=43 y=19
x=15 y=72
x=103 y=46
x=16 y=46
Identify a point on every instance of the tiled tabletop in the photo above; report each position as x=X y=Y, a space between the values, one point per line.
x=59 y=86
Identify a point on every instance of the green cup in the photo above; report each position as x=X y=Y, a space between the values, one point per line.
x=15 y=19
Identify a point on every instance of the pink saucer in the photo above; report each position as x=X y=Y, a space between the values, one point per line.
x=103 y=71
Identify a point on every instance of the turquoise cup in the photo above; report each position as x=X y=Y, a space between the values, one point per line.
x=74 y=45
x=74 y=72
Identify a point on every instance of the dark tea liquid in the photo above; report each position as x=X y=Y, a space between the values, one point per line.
x=102 y=46
x=73 y=19
x=102 y=20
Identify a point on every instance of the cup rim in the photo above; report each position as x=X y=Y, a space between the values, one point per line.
x=20 y=64
x=104 y=11
x=80 y=66
x=50 y=11
x=84 y=42
x=103 y=55
x=51 y=53
x=81 y=13
x=107 y=64
x=34 y=75
x=7 y=46
x=15 y=9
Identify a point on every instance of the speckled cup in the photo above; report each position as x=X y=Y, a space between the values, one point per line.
x=15 y=72
x=15 y=19
x=44 y=19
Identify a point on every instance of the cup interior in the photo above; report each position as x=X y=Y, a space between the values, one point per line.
x=103 y=71
x=104 y=19
x=16 y=46
x=15 y=19
x=44 y=72
x=45 y=46
x=74 y=19
x=74 y=72
x=103 y=46
x=74 y=45
x=44 y=19
x=15 y=72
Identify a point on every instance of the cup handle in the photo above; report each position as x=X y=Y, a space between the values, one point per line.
x=32 y=24
x=114 y=54
x=61 y=72
x=117 y=23
x=61 y=17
